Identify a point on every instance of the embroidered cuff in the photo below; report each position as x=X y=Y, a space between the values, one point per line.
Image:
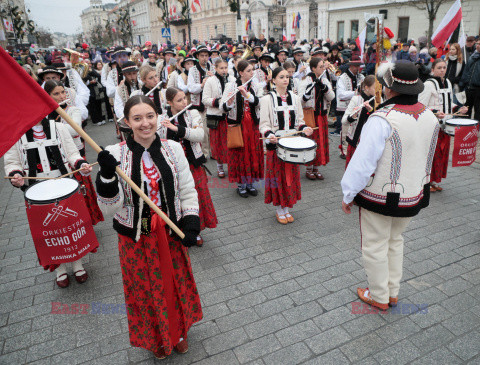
x=16 y=172
x=267 y=133
x=350 y=119
x=107 y=189
x=302 y=127
x=226 y=107
x=216 y=102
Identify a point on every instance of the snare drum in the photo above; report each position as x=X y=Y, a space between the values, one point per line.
x=452 y=124
x=296 y=150
x=59 y=221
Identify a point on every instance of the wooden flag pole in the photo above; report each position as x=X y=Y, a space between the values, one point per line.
x=120 y=173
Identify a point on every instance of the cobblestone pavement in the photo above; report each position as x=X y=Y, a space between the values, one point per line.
x=271 y=294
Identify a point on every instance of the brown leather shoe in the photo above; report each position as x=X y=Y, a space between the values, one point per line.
x=310 y=175
x=392 y=302
x=81 y=278
x=281 y=220
x=438 y=188
x=160 y=354
x=364 y=295
x=221 y=174
x=182 y=347
x=63 y=283
x=433 y=189
x=289 y=218
x=319 y=176
x=199 y=241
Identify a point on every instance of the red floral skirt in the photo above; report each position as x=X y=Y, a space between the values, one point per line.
x=208 y=217
x=350 y=152
x=161 y=296
x=440 y=158
x=320 y=136
x=245 y=165
x=218 y=142
x=90 y=198
x=282 y=182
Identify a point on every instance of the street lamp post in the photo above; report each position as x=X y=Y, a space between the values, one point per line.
x=239 y=24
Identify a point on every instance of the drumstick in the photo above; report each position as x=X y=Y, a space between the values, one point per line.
x=289 y=135
x=47 y=177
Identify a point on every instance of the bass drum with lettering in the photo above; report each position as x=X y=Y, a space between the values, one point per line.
x=59 y=221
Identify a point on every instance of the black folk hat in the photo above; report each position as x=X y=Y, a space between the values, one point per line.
x=49 y=70
x=401 y=77
x=201 y=48
x=129 y=66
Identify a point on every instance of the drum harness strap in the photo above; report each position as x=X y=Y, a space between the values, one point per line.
x=283 y=114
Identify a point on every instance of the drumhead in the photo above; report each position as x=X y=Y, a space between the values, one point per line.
x=458 y=122
x=296 y=143
x=48 y=191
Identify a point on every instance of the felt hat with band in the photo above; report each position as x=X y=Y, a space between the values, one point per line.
x=49 y=70
x=401 y=77
x=201 y=48
x=129 y=66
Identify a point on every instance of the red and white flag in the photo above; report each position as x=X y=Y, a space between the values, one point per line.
x=447 y=26
x=284 y=36
x=196 y=6
x=8 y=25
x=16 y=120
x=360 y=41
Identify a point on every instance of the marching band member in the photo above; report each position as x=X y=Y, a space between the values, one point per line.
x=197 y=77
x=263 y=74
x=438 y=96
x=212 y=94
x=257 y=52
x=182 y=81
x=245 y=164
x=301 y=69
x=126 y=87
x=347 y=86
x=57 y=91
x=160 y=292
x=224 y=53
x=31 y=157
x=317 y=94
x=187 y=129
x=232 y=71
x=280 y=59
x=72 y=79
x=173 y=77
x=151 y=60
x=357 y=113
x=99 y=106
x=294 y=83
x=281 y=110
x=52 y=73
x=108 y=66
x=115 y=76
x=388 y=178
x=148 y=75
x=165 y=68
x=238 y=52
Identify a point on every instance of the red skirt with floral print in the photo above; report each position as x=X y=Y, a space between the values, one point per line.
x=440 y=158
x=208 y=217
x=320 y=136
x=282 y=182
x=90 y=198
x=218 y=142
x=161 y=296
x=246 y=165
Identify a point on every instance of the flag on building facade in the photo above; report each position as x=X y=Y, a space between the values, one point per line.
x=284 y=36
x=298 y=20
x=447 y=26
x=293 y=21
x=8 y=25
x=196 y=6
x=360 y=41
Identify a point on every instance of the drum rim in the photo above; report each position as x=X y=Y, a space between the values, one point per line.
x=298 y=149
x=50 y=201
x=461 y=125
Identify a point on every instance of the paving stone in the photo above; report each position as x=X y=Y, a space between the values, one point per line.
x=227 y=357
x=297 y=333
x=291 y=355
x=334 y=357
x=337 y=299
x=363 y=346
x=225 y=341
x=266 y=326
x=257 y=348
x=328 y=340
x=273 y=306
x=394 y=332
x=462 y=322
x=246 y=301
x=431 y=338
x=364 y=323
x=302 y=312
x=466 y=347
x=400 y=353
x=441 y=356
x=237 y=319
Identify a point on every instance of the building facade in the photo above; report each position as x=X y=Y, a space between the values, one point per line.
x=141 y=27
x=344 y=19
x=93 y=16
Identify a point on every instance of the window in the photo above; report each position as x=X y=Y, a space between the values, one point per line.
x=340 y=31
x=403 y=24
x=354 y=29
x=225 y=29
x=370 y=31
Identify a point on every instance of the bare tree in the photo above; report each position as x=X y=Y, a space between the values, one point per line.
x=44 y=37
x=430 y=6
x=99 y=37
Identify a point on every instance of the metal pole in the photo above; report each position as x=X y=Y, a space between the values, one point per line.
x=189 y=25
x=239 y=26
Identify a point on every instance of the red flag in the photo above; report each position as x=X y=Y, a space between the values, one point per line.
x=23 y=102
x=447 y=26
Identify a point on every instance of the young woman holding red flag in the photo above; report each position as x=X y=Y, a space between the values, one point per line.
x=160 y=291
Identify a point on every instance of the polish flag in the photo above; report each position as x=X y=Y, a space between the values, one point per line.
x=360 y=41
x=196 y=6
x=447 y=26
x=284 y=36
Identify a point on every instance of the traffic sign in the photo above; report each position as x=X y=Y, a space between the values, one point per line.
x=166 y=33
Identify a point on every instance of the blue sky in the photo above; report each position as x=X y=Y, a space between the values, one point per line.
x=57 y=15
